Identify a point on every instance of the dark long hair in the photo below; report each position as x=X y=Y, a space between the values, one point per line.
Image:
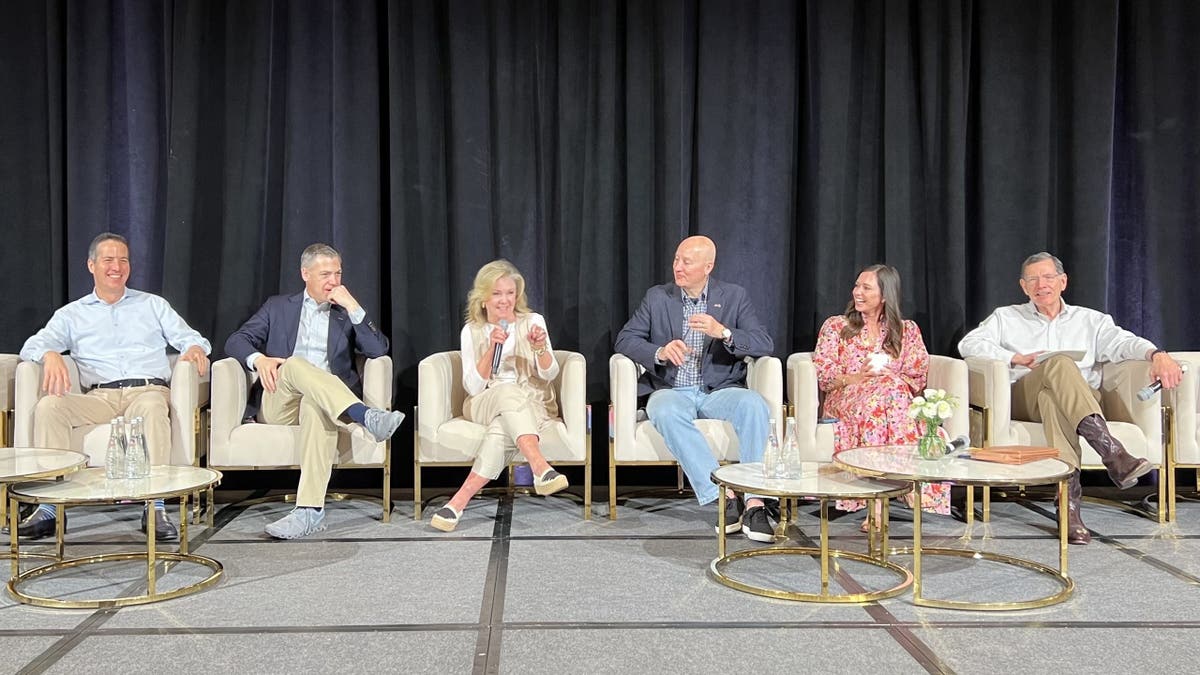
x=889 y=291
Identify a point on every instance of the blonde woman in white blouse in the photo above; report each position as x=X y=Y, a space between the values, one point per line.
x=516 y=400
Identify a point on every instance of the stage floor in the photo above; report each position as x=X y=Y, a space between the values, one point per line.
x=525 y=585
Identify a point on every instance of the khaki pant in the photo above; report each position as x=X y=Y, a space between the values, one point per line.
x=1056 y=395
x=306 y=395
x=55 y=417
x=507 y=412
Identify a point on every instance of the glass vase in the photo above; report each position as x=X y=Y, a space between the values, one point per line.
x=930 y=445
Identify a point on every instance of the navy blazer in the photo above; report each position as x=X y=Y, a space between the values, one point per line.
x=659 y=320
x=273 y=329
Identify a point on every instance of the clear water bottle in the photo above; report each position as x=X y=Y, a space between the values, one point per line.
x=791 y=451
x=114 y=456
x=771 y=454
x=137 y=460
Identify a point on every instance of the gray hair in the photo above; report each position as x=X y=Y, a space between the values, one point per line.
x=1039 y=257
x=100 y=239
x=318 y=250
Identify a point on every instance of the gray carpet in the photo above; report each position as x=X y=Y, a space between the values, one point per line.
x=526 y=585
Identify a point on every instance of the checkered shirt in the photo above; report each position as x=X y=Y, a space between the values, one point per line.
x=689 y=373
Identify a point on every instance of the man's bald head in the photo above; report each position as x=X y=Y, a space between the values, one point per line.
x=701 y=246
x=693 y=262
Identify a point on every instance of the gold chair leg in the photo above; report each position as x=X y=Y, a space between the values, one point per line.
x=612 y=483
x=387 y=483
x=587 y=477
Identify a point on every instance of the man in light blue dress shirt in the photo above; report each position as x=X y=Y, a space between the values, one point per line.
x=118 y=337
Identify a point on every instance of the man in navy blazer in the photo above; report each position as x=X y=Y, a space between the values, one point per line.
x=692 y=337
x=303 y=348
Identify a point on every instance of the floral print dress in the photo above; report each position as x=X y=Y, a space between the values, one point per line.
x=875 y=411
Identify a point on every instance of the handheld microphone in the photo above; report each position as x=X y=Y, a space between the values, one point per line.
x=961 y=443
x=499 y=348
x=1151 y=389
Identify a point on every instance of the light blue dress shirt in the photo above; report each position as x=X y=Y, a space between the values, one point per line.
x=127 y=339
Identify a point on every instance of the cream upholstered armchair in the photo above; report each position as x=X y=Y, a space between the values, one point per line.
x=634 y=441
x=1137 y=424
x=238 y=446
x=444 y=438
x=8 y=379
x=189 y=394
x=816 y=440
x=1182 y=407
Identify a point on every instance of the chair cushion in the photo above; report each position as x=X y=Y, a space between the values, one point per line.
x=649 y=445
x=279 y=445
x=458 y=440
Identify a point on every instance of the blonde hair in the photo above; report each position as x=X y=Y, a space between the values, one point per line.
x=485 y=281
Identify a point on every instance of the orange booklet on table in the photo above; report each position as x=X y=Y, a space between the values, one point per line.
x=1013 y=454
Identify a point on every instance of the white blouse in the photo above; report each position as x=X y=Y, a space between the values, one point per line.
x=474 y=384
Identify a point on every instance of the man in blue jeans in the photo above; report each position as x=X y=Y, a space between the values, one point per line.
x=692 y=337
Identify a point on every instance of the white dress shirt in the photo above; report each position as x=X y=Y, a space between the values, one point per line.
x=474 y=384
x=127 y=339
x=1021 y=329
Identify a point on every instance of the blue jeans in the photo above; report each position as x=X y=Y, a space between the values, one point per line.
x=674 y=411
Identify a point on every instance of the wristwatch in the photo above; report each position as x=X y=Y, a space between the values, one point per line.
x=726 y=334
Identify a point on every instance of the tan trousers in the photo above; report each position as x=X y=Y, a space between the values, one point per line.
x=55 y=417
x=1056 y=395
x=507 y=412
x=306 y=395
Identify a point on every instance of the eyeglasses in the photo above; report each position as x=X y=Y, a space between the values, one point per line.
x=1045 y=277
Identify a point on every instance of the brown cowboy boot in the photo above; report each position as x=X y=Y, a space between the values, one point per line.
x=1077 y=532
x=1123 y=468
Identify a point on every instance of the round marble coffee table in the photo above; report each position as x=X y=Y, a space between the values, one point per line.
x=821 y=481
x=18 y=465
x=901 y=462
x=91 y=487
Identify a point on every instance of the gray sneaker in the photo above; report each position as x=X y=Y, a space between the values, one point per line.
x=301 y=522
x=382 y=423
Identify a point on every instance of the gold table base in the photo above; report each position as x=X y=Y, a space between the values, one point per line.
x=1059 y=575
x=824 y=553
x=716 y=568
x=1066 y=583
x=153 y=596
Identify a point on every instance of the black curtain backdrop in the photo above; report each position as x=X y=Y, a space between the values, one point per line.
x=582 y=140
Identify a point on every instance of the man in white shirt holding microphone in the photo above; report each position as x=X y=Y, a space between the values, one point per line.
x=1060 y=391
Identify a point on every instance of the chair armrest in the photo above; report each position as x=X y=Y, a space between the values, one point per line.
x=805 y=397
x=1119 y=386
x=8 y=379
x=377 y=382
x=623 y=379
x=435 y=380
x=572 y=393
x=765 y=376
x=27 y=389
x=230 y=389
x=950 y=374
x=988 y=387
x=1184 y=401
x=189 y=389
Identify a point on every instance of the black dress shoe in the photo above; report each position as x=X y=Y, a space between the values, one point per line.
x=164 y=529
x=38 y=525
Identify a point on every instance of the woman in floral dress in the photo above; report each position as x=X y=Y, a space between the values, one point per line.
x=870 y=364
